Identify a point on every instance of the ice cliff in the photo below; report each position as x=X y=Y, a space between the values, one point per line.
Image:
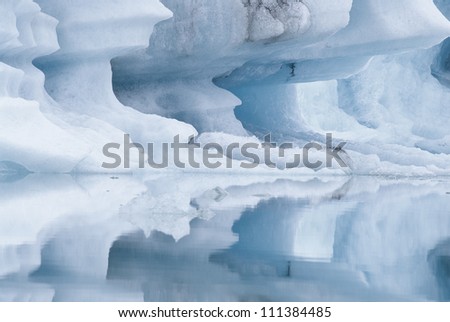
x=77 y=75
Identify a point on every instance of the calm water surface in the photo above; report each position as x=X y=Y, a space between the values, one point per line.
x=223 y=238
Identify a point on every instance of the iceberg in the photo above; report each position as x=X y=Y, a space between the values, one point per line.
x=77 y=76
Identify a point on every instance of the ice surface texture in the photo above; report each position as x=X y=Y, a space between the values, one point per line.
x=78 y=74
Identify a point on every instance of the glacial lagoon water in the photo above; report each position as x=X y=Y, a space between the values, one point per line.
x=188 y=237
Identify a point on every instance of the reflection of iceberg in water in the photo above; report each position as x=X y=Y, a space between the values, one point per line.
x=297 y=249
x=223 y=238
x=439 y=259
x=390 y=233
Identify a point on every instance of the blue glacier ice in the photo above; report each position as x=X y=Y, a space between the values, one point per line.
x=76 y=75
